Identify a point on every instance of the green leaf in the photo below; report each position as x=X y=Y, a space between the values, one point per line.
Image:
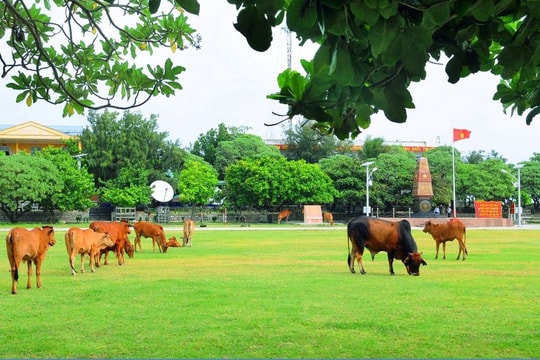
x=255 y=27
x=532 y=114
x=453 y=68
x=436 y=15
x=153 y=6
x=191 y=6
x=382 y=35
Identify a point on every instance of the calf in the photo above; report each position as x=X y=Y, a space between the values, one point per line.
x=85 y=241
x=173 y=242
x=189 y=229
x=30 y=246
x=441 y=233
x=150 y=230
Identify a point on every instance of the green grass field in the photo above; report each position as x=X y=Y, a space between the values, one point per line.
x=262 y=293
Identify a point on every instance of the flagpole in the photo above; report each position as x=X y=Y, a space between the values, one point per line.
x=454 y=178
x=459 y=134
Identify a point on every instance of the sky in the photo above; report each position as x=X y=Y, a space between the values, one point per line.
x=227 y=82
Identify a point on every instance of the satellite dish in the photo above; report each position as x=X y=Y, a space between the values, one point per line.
x=161 y=191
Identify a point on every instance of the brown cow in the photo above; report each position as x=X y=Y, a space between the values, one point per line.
x=328 y=218
x=85 y=241
x=441 y=233
x=284 y=214
x=30 y=246
x=189 y=229
x=150 y=230
x=118 y=231
x=173 y=242
x=380 y=235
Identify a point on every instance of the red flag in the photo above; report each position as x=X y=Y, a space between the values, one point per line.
x=461 y=134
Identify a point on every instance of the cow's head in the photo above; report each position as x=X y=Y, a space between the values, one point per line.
x=412 y=263
x=130 y=249
x=427 y=226
x=49 y=233
x=106 y=240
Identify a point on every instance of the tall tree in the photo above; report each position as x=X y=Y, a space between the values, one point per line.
x=372 y=148
x=38 y=179
x=393 y=180
x=206 y=144
x=242 y=146
x=348 y=178
x=440 y=166
x=197 y=182
x=129 y=189
x=78 y=183
x=305 y=142
x=274 y=181
x=530 y=180
x=112 y=143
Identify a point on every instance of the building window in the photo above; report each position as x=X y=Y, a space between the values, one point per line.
x=4 y=149
x=35 y=149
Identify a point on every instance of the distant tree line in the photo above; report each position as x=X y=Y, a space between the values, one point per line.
x=125 y=153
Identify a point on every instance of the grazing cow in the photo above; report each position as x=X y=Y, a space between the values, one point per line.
x=189 y=229
x=441 y=233
x=30 y=246
x=118 y=231
x=150 y=230
x=173 y=242
x=380 y=235
x=284 y=214
x=85 y=241
x=328 y=218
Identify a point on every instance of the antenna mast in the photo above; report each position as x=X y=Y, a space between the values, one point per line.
x=289 y=46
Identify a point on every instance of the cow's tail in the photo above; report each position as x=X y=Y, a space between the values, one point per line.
x=349 y=259
x=465 y=240
x=11 y=256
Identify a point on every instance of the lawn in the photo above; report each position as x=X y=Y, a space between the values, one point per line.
x=262 y=293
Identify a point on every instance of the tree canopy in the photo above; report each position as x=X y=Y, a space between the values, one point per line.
x=371 y=51
x=112 y=143
x=37 y=180
x=81 y=54
x=95 y=54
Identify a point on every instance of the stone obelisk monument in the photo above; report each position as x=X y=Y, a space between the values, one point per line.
x=422 y=190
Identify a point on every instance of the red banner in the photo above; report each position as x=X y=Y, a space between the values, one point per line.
x=488 y=209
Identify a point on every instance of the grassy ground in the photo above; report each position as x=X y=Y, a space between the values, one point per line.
x=264 y=293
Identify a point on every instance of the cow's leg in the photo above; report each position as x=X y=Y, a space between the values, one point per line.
x=156 y=240
x=356 y=255
x=105 y=259
x=14 y=276
x=437 y=244
x=28 y=282
x=38 y=263
x=120 y=254
x=92 y=257
x=444 y=250
x=138 y=241
x=462 y=248
x=391 y=262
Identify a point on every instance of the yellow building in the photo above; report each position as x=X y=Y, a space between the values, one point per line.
x=31 y=137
